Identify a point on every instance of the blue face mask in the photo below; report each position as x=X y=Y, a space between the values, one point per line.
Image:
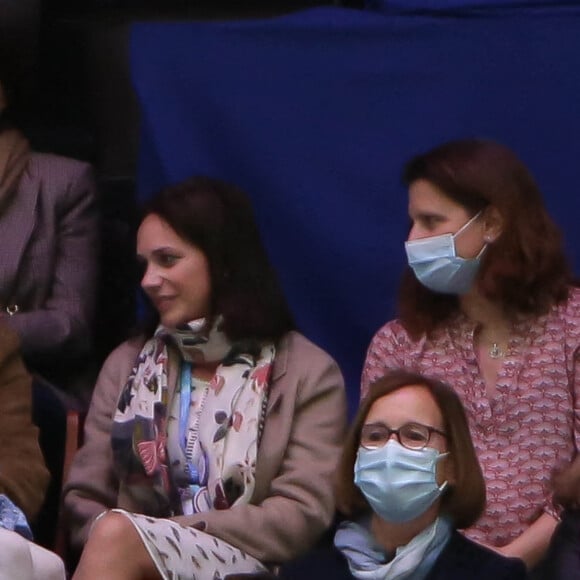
x=437 y=266
x=400 y=484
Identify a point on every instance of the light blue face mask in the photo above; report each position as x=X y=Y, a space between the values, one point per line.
x=437 y=266
x=400 y=484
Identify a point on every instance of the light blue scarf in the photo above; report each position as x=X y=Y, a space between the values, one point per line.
x=368 y=561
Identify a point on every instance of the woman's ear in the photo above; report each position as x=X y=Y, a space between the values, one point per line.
x=492 y=224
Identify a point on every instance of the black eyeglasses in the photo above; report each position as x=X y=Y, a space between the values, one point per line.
x=409 y=435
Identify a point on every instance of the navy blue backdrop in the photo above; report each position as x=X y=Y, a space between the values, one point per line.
x=315 y=113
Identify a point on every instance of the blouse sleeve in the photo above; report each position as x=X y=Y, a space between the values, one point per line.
x=571 y=342
x=576 y=388
x=565 y=486
x=384 y=353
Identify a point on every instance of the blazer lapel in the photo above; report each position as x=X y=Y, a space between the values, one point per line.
x=279 y=370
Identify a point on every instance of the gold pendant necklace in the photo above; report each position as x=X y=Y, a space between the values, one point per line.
x=495 y=351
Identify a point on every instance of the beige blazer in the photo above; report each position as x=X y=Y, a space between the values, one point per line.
x=293 y=500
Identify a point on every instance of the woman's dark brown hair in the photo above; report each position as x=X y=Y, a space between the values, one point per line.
x=525 y=269
x=463 y=501
x=217 y=218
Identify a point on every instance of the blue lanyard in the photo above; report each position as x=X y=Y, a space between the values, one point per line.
x=184 y=407
x=184 y=402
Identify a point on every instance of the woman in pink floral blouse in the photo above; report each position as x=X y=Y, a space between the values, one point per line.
x=487 y=304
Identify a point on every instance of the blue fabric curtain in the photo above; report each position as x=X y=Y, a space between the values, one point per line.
x=314 y=114
x=499 y=7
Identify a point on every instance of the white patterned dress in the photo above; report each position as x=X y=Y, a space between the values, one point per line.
x=186 y=553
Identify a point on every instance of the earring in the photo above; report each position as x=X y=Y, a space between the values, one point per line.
x=487 y=238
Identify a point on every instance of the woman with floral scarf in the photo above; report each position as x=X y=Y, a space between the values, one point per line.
x=211 y=440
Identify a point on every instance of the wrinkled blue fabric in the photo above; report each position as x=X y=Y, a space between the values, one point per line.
x=12 y=518
x=474 y=7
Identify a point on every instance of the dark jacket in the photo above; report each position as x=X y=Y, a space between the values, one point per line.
x=463 y=559
x=563 y=558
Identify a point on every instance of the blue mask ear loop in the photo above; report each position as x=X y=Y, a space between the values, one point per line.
x=464 y=227
x=467 y=224
x=445 y=484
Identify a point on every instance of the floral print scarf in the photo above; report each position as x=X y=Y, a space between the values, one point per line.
x=197 y=451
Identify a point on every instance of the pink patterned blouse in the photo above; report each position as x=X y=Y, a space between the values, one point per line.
x=529 y=427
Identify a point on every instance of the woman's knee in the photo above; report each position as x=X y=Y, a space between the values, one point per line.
x=115 y=550
x=114 y=530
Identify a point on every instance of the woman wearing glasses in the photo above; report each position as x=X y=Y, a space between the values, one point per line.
x=408 y=479
x=488 y=305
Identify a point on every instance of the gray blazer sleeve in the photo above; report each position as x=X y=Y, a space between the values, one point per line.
x=63 y=322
